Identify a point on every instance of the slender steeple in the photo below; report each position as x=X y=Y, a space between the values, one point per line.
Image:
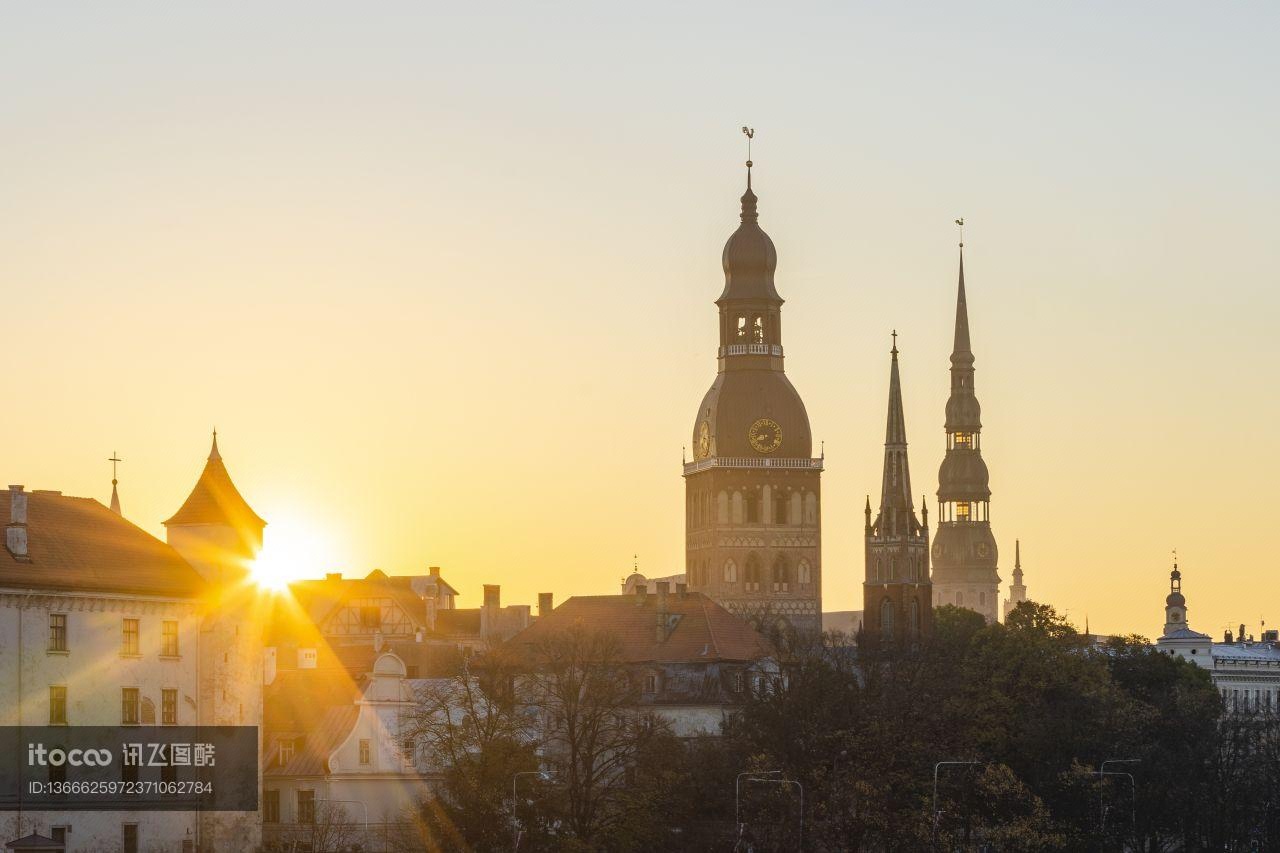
x=964 y=549
x=896 y=592
x=1017 y=589
x=115 y=494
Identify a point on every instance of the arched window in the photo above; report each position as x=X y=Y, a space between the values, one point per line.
x=722 y=506
x=893 y=568
x=753 y=573
x=781 y=575
x=779 y=508
x=730 y=571
x=804 y=574
x=797 y=508
x=810 y=508
x=737 y=508
x=886 y=619
x=913 y=617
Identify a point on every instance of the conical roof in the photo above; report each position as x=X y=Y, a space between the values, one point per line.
x=215 y=499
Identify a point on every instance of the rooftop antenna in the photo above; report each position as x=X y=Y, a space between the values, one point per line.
x=960 y=222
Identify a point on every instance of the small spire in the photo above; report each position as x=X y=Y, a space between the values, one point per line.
x=924 y=509
x=1017 y=553
x=114 y=459
x=214 y=455
x=961 y=346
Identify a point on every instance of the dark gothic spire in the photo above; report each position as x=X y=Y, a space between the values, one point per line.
x=960 y=351
x=895 y=494
x=963 y=411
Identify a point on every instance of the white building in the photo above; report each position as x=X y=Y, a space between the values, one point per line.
x=103 y=624
x=1245 y=671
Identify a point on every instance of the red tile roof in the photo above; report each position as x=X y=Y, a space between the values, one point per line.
x=216 y=500
x=78 y=544
x=701 y=630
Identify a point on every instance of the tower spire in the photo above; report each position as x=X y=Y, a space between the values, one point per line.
x=114 y=459
x=214 y=455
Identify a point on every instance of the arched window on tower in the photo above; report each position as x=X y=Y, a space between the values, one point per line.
x=730 y=571
x=781 y=575
x=886 y=619
x=753 y=573
x=779 y=508
x=722 y=506
x=913 y=617
x=797 y=508
x=810 y=508
x=804 y=574
x=757 y=329
x=737 y=508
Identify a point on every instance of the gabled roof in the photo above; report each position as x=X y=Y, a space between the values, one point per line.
x=319 y=598
x=77 y=544
x=35 y=842
x=700 y=630
x=216 y=500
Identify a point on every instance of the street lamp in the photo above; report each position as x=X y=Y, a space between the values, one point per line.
x=936 y=768
x=1102 y=774
x=545 y=776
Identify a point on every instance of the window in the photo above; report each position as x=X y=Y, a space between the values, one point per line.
x=169 y=640
x=271 y=806
x=130 y=646
x=964 y=439
x=286 y=751
x=739 y=681
x=169 y=706
x=962 y=511
x=753 y=573
x=913 y=618
x=730 y=571
x=130 y=703
x=651 y=683
x=59 y=834
x=306 y=807
x=804 y=574
x=371 y=616
x=779 y=510
x=364 y=751
x=886 y=619
x=57 y=632
x=781 y=576
x=129 y=837
x=408 y=750
x=57 y=705
x=753 y=509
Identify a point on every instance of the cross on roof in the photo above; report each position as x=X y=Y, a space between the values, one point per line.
x=114 y=459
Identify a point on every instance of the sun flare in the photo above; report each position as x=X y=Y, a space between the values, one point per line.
x=292 y=549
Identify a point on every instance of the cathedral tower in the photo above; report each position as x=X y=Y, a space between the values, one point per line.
x=896 y=594
x=964 y=550
x=752 y=522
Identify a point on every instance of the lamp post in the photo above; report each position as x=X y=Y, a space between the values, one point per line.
x=1102 y=780
x=544 y=775
x=936 y=768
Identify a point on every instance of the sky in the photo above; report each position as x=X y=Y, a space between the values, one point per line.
x=442 y=275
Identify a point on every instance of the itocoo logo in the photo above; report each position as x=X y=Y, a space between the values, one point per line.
x=38 y=755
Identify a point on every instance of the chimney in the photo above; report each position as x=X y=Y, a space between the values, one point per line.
x=661 y=614
x=15 y=534
x=490 y=610
x=682 y=589
x=544 y=604
x=435 y=571
x=492 y=595
x=333 y=576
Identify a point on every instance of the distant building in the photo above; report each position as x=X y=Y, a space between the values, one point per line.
x=1245 y=671
x=753 y=532
x=896 y=592
x=1017 y=589
x=691 y=660
x=964 y=549
x=103 y=624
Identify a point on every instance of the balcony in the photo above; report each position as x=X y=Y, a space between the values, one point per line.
x=750 y=462
x=751 y=349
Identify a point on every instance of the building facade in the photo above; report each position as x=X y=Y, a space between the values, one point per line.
x=753 y=533
x=964 y=550
x=896 y=591
x=1245 y=671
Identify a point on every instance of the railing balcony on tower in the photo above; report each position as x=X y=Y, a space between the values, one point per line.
x=751 y=462
x=751 y=349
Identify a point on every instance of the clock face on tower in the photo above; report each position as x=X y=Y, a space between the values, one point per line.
x=765 y=436
x=704 y=440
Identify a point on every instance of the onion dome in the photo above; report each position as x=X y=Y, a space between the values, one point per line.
x=749 y=258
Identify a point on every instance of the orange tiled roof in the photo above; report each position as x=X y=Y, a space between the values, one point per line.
x=79 y=544
x=216 y=500
x=702 y=630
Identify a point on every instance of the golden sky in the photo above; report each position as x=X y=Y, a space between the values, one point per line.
x=443 y=278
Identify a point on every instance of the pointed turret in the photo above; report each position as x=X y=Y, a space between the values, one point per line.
x=896 y=593
x=216 y=512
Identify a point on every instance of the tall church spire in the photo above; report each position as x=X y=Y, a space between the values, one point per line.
x=896 y=592
x=964 y=549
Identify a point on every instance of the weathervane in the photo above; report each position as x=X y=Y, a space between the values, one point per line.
x=960 y=222
x=750 y=134
x=114 y=460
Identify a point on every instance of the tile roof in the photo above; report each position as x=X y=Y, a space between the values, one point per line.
x=702 y=630
x=216 y=500
x=77 y=544
x=313 y=745
x=319 y=598
x=465 y=621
